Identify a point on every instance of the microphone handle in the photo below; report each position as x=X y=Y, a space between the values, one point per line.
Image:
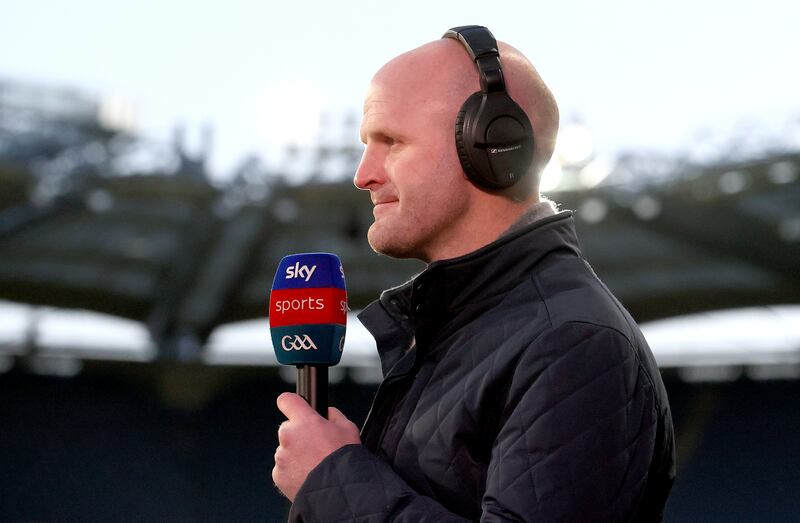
x=312 y=385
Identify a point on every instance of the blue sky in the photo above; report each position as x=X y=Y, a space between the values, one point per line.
x=640 y=75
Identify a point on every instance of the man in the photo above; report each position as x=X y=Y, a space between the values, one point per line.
x=516 y=388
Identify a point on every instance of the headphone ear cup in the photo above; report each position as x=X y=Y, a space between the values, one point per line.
x=494 y=140
x=468 y=110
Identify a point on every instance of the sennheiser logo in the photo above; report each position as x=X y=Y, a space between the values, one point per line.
x=495 y=150
x=297 y=342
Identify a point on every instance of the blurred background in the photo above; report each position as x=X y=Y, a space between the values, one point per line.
x=158 y=159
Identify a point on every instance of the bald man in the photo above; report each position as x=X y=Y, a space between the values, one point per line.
x=516 y=387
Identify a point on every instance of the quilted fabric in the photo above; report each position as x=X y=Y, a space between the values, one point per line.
x=516 y=388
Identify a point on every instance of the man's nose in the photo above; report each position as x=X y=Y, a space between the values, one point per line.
x=370 y=170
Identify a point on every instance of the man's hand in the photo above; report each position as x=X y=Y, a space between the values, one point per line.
x=305 y=440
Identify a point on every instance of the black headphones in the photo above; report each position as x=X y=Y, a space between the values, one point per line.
x=493 y=134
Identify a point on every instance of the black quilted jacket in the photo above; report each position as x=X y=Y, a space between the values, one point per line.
x=516 y=388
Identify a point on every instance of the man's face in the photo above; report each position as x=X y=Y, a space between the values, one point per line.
x=411 y=169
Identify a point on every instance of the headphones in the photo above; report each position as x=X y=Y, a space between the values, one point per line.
x=493 y=134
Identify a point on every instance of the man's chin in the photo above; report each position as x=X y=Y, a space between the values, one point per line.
x=382 y=242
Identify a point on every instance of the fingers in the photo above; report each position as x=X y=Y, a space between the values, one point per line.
x=336 y=417
x=284 y=433
x=305 y=439
x=280 y=457
x=280 y=472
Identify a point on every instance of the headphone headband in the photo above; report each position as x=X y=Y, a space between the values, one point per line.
x=482 y=48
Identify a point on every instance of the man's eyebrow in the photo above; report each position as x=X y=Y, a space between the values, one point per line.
x=376 y=129
x=382 y=134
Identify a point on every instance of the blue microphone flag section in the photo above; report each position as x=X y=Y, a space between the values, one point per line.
x=308 y=271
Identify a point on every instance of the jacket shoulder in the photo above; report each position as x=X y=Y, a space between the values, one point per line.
x=571 y=292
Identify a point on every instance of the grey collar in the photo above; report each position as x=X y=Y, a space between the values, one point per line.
x=534 y=213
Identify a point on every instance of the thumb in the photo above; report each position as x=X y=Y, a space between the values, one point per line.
x=294 y=406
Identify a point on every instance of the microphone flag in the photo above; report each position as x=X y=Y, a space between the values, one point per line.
x=308 y=309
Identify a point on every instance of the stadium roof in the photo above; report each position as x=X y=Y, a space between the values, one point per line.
x=183 y=256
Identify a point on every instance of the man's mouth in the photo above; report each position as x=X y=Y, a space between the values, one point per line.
x=383 y=203
x=383 y=199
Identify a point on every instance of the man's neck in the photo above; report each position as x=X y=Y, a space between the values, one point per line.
x=463 y=243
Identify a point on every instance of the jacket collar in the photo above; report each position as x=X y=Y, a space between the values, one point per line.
x=421 y=307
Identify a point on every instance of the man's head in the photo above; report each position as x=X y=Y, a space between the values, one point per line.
x=425 y=207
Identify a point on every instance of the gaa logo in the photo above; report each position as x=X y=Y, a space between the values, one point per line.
x=297 y=342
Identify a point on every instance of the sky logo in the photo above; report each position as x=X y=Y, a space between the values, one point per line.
x=300 y=271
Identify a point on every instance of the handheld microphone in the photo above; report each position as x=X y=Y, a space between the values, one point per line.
x=307 y=319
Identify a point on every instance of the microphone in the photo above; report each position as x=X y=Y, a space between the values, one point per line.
x=308 y=319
